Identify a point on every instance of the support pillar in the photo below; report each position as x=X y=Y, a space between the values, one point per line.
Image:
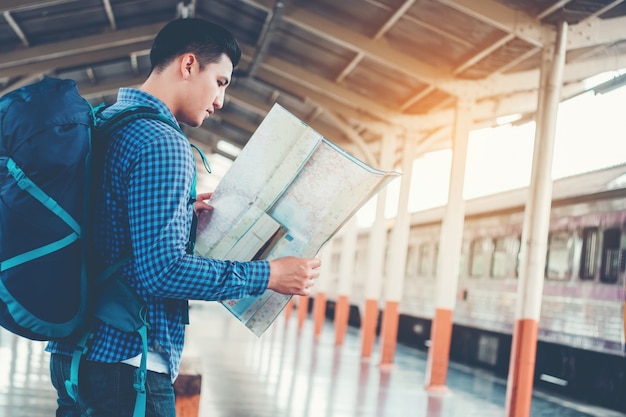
x=187 y=387
x=376 y=256
x=449 y=257
x=535 y=233
x=288 y=309
x=303 y=310
x=397 y=258
x=346 y=271
x=321 y=289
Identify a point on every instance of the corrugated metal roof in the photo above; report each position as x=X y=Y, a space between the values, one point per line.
x=350 y=68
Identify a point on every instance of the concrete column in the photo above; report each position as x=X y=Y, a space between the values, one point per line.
x=397 y=258
x=346 y=272
x=320 y=288
x=376 y=256
x=303 y=310
x=535 y=233
x=288 y=309
x=449 y=257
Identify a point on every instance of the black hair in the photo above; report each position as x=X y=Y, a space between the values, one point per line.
x=208 y=41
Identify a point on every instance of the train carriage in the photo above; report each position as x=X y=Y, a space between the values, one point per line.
x=580 y=350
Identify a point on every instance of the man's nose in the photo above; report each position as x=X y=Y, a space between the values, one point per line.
x=218 y=103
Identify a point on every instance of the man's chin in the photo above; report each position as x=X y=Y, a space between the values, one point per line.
x=191 y=123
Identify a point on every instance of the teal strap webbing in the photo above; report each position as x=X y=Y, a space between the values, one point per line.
x=27 y=185
x=205 y=161
x=38 y=252
x=71 y=385
x=111 y=269
x=193 y=194
x=140 y=375
x=30 y=187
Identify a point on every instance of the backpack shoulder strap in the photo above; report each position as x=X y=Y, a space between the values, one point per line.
x=127 y=115
x=119 y=306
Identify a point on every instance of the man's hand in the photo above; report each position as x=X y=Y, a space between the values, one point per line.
x=293 y=276
x=200 y=206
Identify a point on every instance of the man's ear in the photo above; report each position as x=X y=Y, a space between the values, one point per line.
x=187 y=62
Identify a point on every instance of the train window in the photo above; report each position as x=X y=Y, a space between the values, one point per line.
x=424 y=259
x=480 y=256
x=560 y=253
x=610 y=255
x=504 y=262
x=412 y=260
x=589 y=255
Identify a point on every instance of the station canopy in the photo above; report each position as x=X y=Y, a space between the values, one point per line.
x=354 y=70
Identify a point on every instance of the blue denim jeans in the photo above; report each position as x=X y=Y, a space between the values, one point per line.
x=106 y=389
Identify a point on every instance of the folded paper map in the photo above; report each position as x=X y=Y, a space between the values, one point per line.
x=287 y=193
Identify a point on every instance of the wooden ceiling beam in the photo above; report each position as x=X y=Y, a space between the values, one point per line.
x=504 y=18
x=80 y=46
x=13 y=5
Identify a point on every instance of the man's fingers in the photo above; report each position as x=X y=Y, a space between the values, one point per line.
x=312 y=267
x=203 y=196
x=293 y=275
x=314 y=262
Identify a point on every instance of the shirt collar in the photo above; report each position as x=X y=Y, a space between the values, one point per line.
x=133 y=96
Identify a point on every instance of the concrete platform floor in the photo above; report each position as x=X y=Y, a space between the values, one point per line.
x=287 y=373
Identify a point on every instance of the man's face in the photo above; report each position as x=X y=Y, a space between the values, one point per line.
x=205 y=90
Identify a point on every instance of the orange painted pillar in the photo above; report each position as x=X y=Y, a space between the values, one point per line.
x=376 y=257
x=521 y=368
x=187 y=387
x=342 y=315
x=389 y=332
x=397 y=258
x=440 y=336
x=303 y=310
x=368 y=327
x=450 y=244
x=346 y=271
x=319 y=313
x=288 y=309
x=320 y=289
x=535 y=234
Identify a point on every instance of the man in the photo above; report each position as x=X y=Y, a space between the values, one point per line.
x=144 y=205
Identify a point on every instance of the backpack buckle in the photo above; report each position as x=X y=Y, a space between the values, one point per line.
x=72 y=390
x=15 y=171
x=140 y=381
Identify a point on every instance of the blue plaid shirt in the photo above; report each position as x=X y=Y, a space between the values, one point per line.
x=144 y=204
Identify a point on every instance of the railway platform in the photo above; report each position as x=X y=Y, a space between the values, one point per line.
x=288 y=373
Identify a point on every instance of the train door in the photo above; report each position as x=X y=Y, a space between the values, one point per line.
x=613 y=258
x=613 y=254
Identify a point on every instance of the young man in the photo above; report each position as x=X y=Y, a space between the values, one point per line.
x=144 y=205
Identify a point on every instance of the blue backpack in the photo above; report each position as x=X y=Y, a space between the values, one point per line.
x=52 y=146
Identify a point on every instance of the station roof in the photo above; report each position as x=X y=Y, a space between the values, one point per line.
x=354 y=70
